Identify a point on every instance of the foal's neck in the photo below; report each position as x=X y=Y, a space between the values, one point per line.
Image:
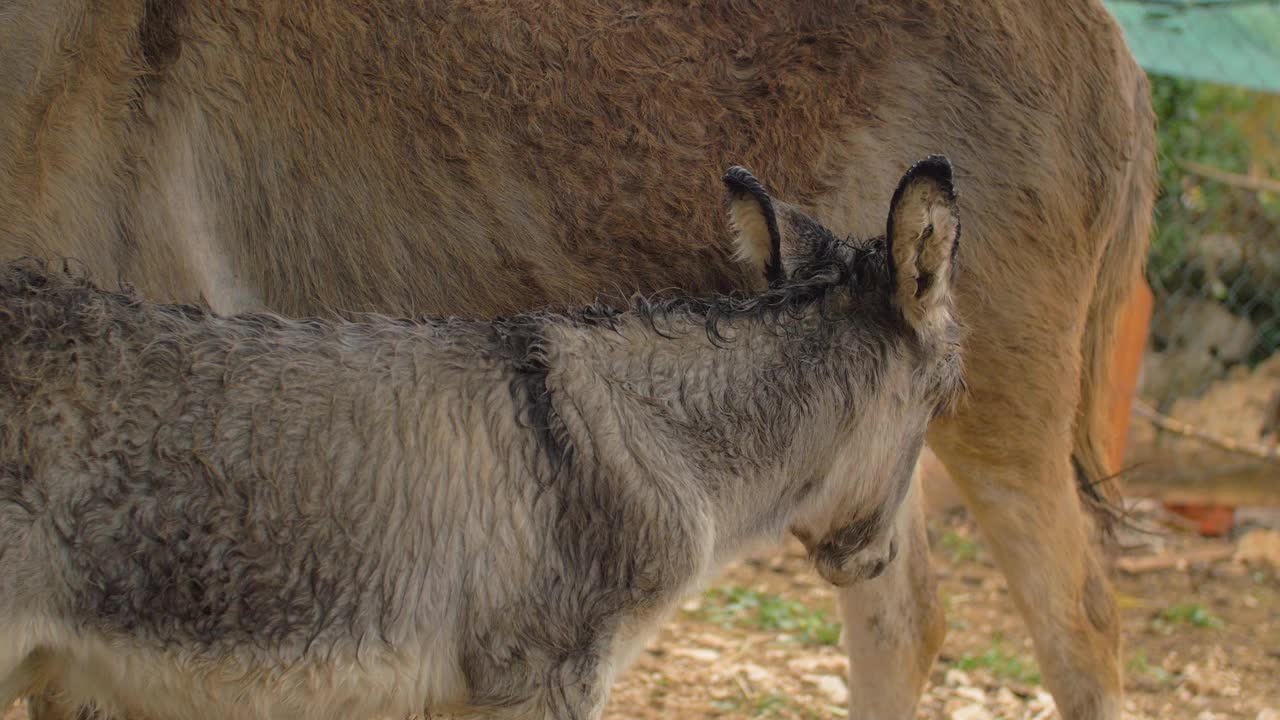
x=749 y=404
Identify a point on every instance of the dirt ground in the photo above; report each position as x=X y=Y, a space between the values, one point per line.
x=1202 y=638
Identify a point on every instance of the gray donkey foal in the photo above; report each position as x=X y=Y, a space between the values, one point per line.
x=254 y=517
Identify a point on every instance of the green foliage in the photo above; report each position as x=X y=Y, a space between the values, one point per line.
x=731 y=606
x=1230 y=129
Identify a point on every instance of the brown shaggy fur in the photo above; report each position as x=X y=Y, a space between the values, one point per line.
x=484 y=157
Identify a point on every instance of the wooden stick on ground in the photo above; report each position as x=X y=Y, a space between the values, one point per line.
x=1173 y=425
x=1170 y=561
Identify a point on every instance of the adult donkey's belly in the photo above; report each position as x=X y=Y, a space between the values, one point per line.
x=475 y=159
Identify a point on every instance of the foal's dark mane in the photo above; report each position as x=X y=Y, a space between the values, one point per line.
x=832 y=266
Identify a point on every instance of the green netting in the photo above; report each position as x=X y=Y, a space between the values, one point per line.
x=1215 y=255
x=1234 y=42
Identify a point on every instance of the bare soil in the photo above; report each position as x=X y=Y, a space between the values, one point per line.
x=1202 y=642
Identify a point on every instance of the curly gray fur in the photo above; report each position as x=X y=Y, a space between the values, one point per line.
x=480 y=514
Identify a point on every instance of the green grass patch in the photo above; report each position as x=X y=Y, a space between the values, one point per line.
x=1140 y=665
x=1002 y=662
x=771 y=705
x=960 y=548
x=1193 y=614
x=744 y=607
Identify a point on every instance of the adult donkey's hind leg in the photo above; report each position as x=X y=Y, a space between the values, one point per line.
x=1009 y=450
x=1040 y=536
x=1030 y=454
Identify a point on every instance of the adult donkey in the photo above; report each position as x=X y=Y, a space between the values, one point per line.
x=484 y=157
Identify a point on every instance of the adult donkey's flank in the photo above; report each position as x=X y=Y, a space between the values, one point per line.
x=254 y=517
x=481 y=158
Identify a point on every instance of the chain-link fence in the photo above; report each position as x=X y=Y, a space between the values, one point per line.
x=1210 y=383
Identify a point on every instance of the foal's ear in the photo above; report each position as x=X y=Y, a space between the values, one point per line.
x=923 y=234
x=754 y=218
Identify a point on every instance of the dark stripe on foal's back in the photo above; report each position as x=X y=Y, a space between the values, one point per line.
x=529 y=392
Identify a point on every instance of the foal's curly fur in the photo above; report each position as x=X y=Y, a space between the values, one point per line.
x=253 y=516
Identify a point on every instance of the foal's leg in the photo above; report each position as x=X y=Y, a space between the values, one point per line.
x=46 y=707
x=581 y=702
x=894 y=622
x=576 y=690
x=17 y=675
x=41 y=672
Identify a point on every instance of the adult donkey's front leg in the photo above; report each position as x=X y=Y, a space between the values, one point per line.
x=894 y=624
x=1043 y=541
